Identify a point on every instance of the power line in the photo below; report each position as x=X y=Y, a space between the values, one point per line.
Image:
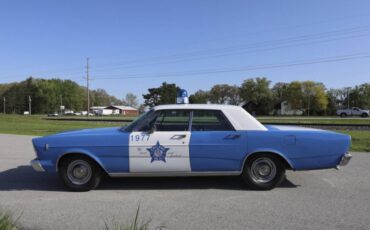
x=247 y=68
x=202 y=54
x=253 y=47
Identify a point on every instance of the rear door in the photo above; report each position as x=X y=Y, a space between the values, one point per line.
x=162 y=145
x=215 y=145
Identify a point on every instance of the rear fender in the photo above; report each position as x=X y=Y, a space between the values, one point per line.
x=268 y=150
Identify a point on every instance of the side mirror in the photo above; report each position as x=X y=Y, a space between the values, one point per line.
x=152 y=130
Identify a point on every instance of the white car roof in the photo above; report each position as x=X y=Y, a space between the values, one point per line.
x=239 y=118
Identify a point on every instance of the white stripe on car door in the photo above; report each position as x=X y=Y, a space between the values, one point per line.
x=159 y=151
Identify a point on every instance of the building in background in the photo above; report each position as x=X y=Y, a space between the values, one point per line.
x=284 y=109
x=114 y=110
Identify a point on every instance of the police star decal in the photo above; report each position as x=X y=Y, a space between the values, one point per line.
x=158 y=152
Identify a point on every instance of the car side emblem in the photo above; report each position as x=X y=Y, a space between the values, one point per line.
x=158 y=152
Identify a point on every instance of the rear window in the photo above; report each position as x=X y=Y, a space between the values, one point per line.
x=210 y=120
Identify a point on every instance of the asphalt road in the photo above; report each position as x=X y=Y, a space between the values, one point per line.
x=326 y=199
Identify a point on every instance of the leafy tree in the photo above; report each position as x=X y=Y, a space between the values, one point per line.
x=130 y=100
x=295 y=95
x=224 y=94
x=199 y=97
x=258 y=91
x=165 y=94
x=308 y=96
x=100 y=97
x=47 y=95
x=280 y=91
x=359 y=96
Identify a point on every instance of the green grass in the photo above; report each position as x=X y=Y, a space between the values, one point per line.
x=135 y=224
x=360 y=139
x=37 y=126
x=6 y=222
x=112 y=118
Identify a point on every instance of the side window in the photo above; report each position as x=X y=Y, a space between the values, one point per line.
x=172 y=120
x=210 y=120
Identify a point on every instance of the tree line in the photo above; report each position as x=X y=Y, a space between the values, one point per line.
x=312 y=98
x=47 y=95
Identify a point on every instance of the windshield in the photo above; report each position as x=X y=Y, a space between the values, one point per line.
x=137 y=121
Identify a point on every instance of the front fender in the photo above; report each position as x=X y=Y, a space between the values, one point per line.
x=73 y=151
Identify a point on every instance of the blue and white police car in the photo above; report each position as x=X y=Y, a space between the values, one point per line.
x=189 y=140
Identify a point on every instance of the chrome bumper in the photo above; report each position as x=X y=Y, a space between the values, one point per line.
x=345 y=159
x=36 y=165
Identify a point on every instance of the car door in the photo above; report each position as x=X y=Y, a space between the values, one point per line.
x=356 y=111
x=162 y=145
x=215 y=145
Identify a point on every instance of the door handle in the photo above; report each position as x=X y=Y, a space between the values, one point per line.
x=232 y=136
x=178 y=137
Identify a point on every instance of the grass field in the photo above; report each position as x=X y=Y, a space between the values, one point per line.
x=37 y=126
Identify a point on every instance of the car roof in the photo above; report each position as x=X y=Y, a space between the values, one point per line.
x=240 y=119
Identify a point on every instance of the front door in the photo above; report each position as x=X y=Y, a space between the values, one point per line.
x=164 y=147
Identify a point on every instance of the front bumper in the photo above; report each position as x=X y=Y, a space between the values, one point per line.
x=36 y=165
x=345 y=159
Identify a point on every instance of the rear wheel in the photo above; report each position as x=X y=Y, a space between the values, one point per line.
x=263 y=171
x=343 y=115
x=80 y=173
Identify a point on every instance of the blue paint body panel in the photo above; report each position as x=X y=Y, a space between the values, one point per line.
x=217 y=150
x=303 y=149
x=107 y=146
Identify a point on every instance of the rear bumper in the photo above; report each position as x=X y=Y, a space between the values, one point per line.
x=345 y=159
x=36 y=165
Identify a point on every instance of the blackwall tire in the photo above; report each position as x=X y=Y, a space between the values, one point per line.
x=80 y=173
x=263 y=171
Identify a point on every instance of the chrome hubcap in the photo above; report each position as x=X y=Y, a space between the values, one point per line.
x=262 y=170
x=79 y=172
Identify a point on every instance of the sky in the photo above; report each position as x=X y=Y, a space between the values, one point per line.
x=135 y=45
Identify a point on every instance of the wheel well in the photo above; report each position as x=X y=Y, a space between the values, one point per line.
x=282 y=159
x=68 y=155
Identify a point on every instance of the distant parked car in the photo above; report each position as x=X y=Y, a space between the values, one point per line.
x=55 y=114
x=353 y=112
x=68 y=112
x=78 y=113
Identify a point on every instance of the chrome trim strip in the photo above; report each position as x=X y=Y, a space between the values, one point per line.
x=36 y=165
x=175 y=174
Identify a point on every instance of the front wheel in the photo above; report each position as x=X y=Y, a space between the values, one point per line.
x=263 y=171
x=80 y=173
x=364 y=115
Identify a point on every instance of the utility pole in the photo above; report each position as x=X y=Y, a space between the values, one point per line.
x=61 y=104
x=348 y=89
x=29 y=104
x=308 y=110
x=4 y=100
x=87 y=86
